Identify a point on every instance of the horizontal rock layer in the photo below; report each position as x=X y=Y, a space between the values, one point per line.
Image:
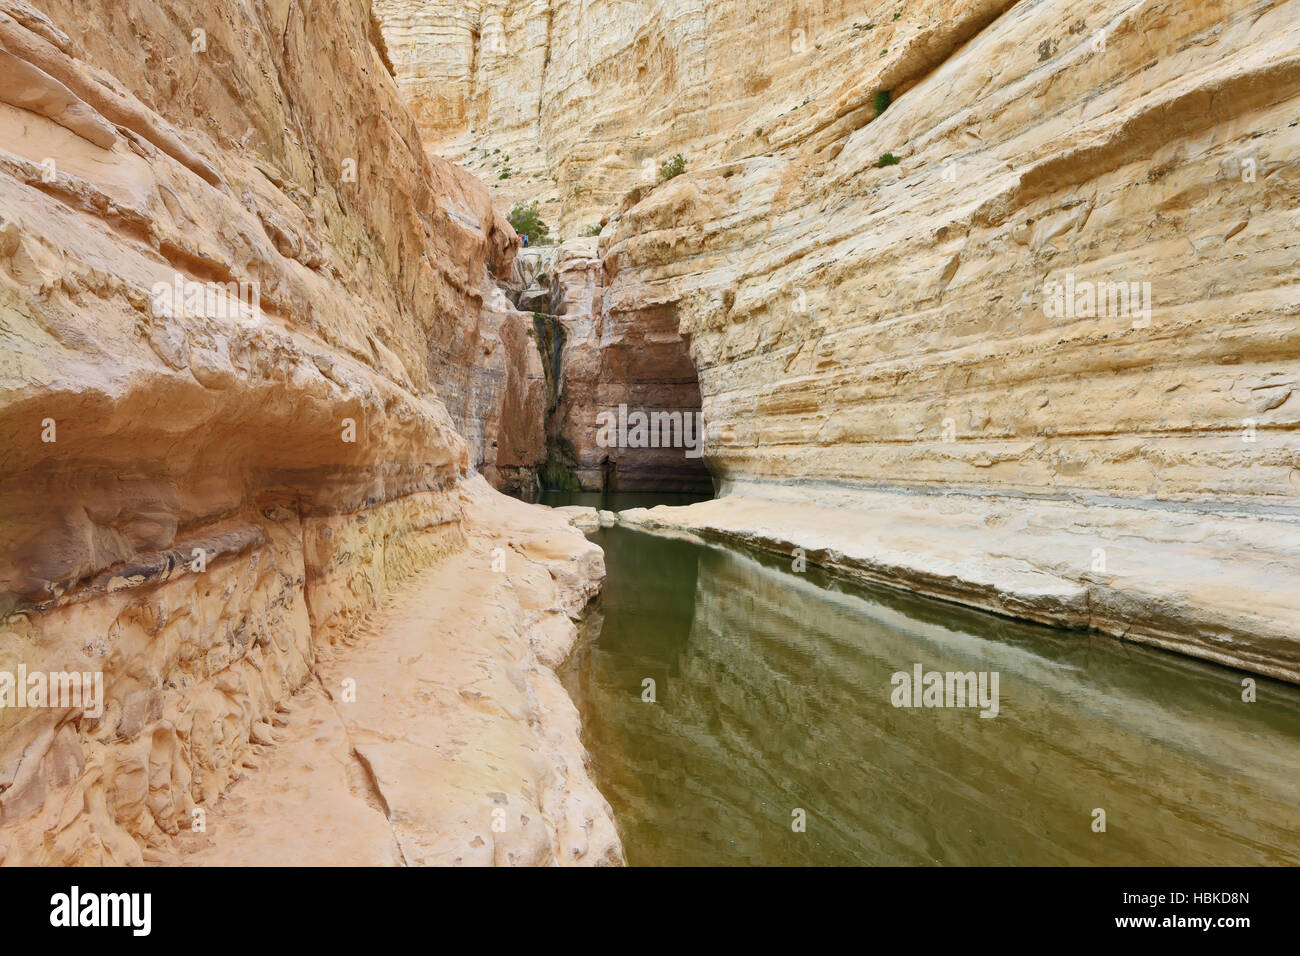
x=888 y=327
x=886 y=324
x=580 y=101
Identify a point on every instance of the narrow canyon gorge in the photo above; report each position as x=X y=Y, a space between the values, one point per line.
x=993 y=302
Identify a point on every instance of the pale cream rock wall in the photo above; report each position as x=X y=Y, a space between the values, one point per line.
x=589 y=97
x=841 y=314
x=181 y=428
x=882 y=326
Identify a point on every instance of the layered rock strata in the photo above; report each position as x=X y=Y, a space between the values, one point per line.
x=1023 y=258
x=897 y=327
x=580 y=101
x=248 y=327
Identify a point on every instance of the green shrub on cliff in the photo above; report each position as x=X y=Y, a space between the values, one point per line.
x=674 y=167
x=525 y=221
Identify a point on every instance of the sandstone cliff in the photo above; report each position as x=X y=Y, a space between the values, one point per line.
x=866 y=258
x=891 y=327
x=252 y=348
x=588 y=99
x=256 y=342
x=1109 y=140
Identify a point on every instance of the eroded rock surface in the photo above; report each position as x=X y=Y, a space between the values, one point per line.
x=252 y=349
x=584 y=100
x=878 y=203
x=437 y=734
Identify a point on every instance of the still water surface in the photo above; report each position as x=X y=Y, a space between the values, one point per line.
x=773 y=695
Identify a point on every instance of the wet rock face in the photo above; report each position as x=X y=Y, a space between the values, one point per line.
x=647 y=398
x=252 y=343
x=531 y=278
x=623 y=409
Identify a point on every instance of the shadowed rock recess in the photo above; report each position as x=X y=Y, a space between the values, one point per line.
x=269 y=348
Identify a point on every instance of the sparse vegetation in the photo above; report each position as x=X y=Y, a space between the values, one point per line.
x=592 y=230
x=525 y=220
x=557 y=476
x=888 y=159
x=505 y=174
x=673 y=168
x=881 y=101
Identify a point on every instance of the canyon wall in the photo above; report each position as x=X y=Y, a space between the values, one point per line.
x=256 y=340
x=896 y=257
x=576 y=106
x=885 y=324
x=252 y=346
x=892 y=324
x=611 y=375
x=581 y=101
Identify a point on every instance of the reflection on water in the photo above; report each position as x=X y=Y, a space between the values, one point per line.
x=773 y=693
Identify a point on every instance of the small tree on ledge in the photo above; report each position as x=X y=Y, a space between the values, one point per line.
x=524 y=220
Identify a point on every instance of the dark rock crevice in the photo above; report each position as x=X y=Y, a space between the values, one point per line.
x=623 y=407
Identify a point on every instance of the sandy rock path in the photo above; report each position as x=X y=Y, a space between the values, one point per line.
x=437 y=734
